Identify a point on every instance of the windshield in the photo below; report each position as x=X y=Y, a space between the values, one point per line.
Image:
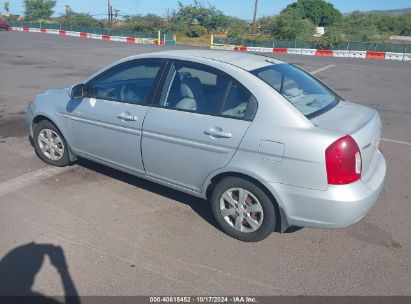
x=306 y=93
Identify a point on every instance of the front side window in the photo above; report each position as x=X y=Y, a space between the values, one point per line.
x=306 y=93
x=130 y=82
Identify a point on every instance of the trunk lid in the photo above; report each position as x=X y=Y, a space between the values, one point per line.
x=361 y=123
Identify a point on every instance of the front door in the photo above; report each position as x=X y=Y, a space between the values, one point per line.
x=106 y=125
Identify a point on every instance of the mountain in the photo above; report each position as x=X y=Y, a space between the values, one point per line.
x=391 y=12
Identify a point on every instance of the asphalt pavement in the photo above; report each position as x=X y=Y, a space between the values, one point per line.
x=120 y=235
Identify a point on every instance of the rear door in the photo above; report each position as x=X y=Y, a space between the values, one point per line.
x=200 y=119
x=106 y=124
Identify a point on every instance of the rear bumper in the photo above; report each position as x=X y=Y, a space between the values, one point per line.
x=337 y=207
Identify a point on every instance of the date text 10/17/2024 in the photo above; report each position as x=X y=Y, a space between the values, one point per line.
x=203 y=299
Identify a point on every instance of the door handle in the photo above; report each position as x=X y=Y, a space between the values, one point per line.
x=126 y=116
x=218 y=133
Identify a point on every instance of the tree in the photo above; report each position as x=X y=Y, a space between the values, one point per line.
x=238 y=28
x=198 y=14
x=39 y=9
x=80 y=19
x=288 y=25
x=148 y=23
x=319 y=12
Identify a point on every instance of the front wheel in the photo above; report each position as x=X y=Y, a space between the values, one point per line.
x=243 y=210
x=50 y=144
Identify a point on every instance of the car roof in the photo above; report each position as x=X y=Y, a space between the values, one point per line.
x=246 y=61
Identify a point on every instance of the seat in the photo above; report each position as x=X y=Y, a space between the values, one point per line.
x=191 y=90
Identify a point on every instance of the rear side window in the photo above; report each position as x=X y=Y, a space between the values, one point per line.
x=202 y=89
x=306 y=93
x=195 y=88
x=237 y=101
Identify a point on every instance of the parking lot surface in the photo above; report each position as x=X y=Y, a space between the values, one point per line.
x=121 y=235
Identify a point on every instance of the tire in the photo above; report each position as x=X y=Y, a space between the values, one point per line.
x=54 y=152
x=255 y=200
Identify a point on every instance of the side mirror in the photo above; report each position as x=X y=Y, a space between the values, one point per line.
x=77 y=91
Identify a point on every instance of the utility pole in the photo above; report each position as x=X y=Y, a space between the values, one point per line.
x=255 y=17
x=109 y=14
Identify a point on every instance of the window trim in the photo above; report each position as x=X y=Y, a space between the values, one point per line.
x=163 y=86
x=150 y=98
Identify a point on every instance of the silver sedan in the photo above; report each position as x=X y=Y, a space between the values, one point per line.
x=269 y=145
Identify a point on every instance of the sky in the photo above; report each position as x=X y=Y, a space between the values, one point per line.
x=238 y=8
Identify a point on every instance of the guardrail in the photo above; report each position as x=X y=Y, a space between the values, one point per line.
x=346 y=49
x=107 y=34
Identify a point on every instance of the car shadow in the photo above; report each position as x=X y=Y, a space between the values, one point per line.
x=18 y=269
x=198 y=205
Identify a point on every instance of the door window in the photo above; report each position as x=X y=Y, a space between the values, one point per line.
x=201 y=89
x=130 y=82
x=237 y=101
x=195 y=88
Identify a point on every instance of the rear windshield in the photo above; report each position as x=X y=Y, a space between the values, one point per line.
x=306 y=93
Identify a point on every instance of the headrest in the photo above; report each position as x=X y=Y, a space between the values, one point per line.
x=191 y=88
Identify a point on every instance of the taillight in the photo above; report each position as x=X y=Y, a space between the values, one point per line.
x=343 y=161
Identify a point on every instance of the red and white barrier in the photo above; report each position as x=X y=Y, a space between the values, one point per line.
x=51 y=31
x=294 y=51
x=93 y=36
x=357 y=54
x=240 y=48
x=375 y=55
x=225 y=47
x=259 y=49
x=308 y=52
x=341 y=53
x=315 y=52
x=394 y=56
x=280 y=50
x=324 y=53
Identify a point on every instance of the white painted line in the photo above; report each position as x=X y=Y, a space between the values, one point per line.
x=27 y=179
x=396 y=141
x=322 y=69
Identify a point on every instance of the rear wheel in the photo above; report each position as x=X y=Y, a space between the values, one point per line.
x=243 y=210
x=50 y=144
